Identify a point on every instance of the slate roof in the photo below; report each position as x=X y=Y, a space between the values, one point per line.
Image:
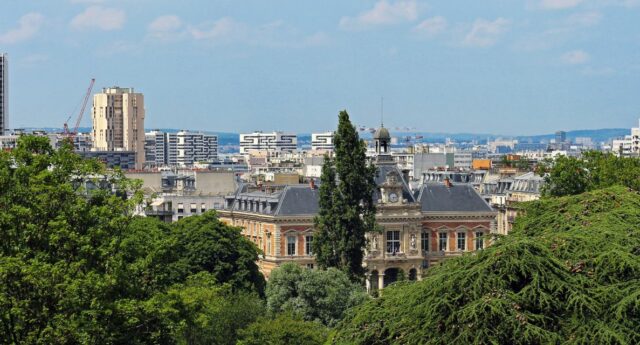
x=437 y=197
x=381 y=177
x=298 y=200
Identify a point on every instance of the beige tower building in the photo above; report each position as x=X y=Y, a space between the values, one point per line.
x=118 y=122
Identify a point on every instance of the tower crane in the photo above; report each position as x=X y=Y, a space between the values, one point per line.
x=72 y=133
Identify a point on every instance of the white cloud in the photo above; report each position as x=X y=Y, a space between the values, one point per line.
x=382 y=13
x=575 y=57
x=221 y=29
x=485 y=33
x=98 y=17
x=431 y=26
x=559 y=4
x=584 y=19
x=165 y=23
x=28 y=26
x=165 y=27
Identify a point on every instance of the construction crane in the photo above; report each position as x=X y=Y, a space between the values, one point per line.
x=73 y=133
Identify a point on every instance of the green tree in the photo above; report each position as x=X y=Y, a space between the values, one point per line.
x=283 y=330
x=325 y=242
x=200 y=311
x=594 y=170
x=314 y=295
x=347 y=210
x=204 y=243
x=78 y=268
x=567 y=274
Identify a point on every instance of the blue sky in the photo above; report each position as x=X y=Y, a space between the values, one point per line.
x=495 y=66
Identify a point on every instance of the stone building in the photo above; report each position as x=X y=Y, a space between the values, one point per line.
x=416 y=228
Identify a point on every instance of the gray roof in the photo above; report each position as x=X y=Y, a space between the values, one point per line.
x=381 y=176
x=457 y=198
x=298 y=200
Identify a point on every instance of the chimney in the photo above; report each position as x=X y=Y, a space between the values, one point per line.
x=447 y=182
x=405 y=175
x=312 y=183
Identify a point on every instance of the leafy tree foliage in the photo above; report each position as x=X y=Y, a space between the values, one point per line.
x=199 y=311
x=206 y=244
x=567 y=274
x=77 y=267
x=314 y=295
x=285 y=329
x=347 y=210
x=595 y=170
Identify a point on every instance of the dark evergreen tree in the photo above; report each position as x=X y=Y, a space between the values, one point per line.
x=347 y=210
x=325 y=239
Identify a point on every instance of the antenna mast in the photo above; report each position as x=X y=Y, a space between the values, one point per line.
x=381 y=111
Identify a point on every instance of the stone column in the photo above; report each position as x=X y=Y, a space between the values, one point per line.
x=380 y=280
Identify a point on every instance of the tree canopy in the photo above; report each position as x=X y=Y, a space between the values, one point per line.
x=594 y=170
x=313 y=295
x=347 y=210
x=77 y=267
x=284 y=329
x=568 y=273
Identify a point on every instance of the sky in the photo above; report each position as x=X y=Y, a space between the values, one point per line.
x=494 y=66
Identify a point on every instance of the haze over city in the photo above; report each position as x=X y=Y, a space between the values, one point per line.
x=525 y=67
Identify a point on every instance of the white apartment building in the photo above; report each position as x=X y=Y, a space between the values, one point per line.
x=322 y=141
x=4 y=94
x=196 y=147
x=273 y=142
x=630 y=145
x=118 y=122
x=179 y=149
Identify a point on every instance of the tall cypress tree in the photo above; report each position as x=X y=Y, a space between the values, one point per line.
x=347 y=210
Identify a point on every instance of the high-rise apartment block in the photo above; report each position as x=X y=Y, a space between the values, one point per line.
x=179 y=149
x=274 y=142
x=322 y=141
x=118 y=122
x=4 y=94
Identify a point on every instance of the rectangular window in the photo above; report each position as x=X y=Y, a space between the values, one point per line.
x=268 y=245
x=308 y=240
x=291 y=245
x=193 y=208
x=393 y=242
x=479 y=240
x=424 y=241
x=442 y=242
x=203 y=207
x=462 y=240
x=310 y=266
x=180 y=208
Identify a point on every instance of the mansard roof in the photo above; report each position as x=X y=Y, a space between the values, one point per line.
x=298 y=200
x=437 y=197
x=381 y=177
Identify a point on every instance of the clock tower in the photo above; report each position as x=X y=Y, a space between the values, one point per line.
x=391 y=188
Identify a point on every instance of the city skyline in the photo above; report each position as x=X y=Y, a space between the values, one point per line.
x=522 y=68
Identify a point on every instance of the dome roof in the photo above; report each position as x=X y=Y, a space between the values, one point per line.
x=381 y=133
